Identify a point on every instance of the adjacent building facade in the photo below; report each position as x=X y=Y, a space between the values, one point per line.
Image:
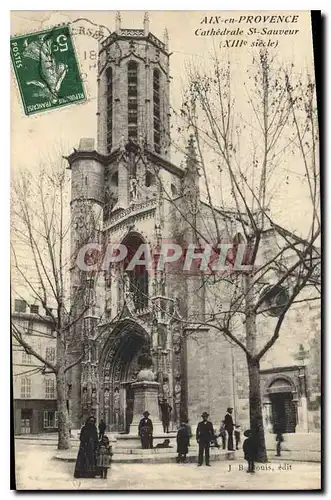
x=34 y=390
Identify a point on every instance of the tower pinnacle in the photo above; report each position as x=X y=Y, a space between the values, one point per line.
x=166 y=39
x=146 y=23
x=118 y=20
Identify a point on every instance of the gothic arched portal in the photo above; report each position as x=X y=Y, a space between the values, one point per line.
x=118 y=369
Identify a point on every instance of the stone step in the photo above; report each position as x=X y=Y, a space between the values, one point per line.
x=148 y=456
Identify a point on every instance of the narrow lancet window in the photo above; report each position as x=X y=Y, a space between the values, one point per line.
x=156 y=110
x=109 y=76
x=133 y=101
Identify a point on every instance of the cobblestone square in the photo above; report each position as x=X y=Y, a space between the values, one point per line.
x=37 y=470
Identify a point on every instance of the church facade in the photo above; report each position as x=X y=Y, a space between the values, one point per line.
x=128 y=184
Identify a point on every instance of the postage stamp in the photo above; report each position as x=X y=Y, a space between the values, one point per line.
x=47 y=70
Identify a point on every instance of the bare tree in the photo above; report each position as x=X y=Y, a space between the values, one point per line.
x=250 y=142
x=42 y=260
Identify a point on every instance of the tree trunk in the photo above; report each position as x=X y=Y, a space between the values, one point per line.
x=255 y=408
x=62 y=411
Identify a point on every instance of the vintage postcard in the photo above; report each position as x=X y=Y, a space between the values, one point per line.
x=166 y=250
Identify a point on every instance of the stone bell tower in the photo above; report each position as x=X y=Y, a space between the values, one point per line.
x=133 y=90
x=125 y=179
x=133 y=111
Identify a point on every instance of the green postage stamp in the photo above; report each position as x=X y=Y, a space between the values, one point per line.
x=47 y=70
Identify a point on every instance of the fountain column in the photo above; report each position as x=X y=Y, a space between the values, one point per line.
x=146 y=392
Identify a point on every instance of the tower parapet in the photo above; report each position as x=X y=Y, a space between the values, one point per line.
x=133 y=90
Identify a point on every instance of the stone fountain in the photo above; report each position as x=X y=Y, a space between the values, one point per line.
x=146 y=391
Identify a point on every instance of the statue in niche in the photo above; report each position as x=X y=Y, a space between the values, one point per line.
x=176 y=340
x=178 y=395
x=84 y=397
x=106 y=396
x=116 y=401
x=134 y=195
x=94 y=397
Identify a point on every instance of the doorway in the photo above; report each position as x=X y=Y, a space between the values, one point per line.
x=26 y=418
x=283 y=412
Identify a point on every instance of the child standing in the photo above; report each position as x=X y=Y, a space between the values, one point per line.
x=222 y=434
x=249 y=448
x=104 y=456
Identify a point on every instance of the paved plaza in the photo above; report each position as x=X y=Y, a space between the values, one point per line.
x=36 y=469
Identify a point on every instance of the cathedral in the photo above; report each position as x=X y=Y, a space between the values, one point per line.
x=140 y=319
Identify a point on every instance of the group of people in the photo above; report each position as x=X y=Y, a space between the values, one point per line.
x=205 y=435
x=95 y=452
x=228 y=430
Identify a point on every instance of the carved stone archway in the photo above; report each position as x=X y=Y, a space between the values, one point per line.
x=281 y=402
x=118 y=369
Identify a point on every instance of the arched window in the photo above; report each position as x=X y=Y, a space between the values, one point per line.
x=174 y=191
x=156 y=110
x=109 y=76
x=133 y=101
x=114 y=179
x=149 y=179
x=138 y=277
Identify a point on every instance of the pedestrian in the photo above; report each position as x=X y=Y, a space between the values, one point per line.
x=237 y=436
x=86 y=459
x=223 y=434
x=249 y=448
x=228 y=421
x=187 y=425
x=102 y=429
x=165 y=412
x=104 y=455
x=145 y=431
x=183 y=442
x=214 y=442
x=204 y=435
x=279 y=441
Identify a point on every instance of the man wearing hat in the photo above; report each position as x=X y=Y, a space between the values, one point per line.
x=229 y=426
x=165 y=412
x=204 y=435
x=145 y=431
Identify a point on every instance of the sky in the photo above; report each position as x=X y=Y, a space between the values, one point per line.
x=61 y=129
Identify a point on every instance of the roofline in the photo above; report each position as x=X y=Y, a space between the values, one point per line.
x=107 y=159
x=281 y=368
x=124 y=35
x=29 y=316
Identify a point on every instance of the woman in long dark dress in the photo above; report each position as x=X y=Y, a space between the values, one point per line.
x=86 y=465
x=183 y=442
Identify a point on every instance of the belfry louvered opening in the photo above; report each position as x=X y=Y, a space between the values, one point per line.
x=156 y=111
x=133 y=101
x=109 y=76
